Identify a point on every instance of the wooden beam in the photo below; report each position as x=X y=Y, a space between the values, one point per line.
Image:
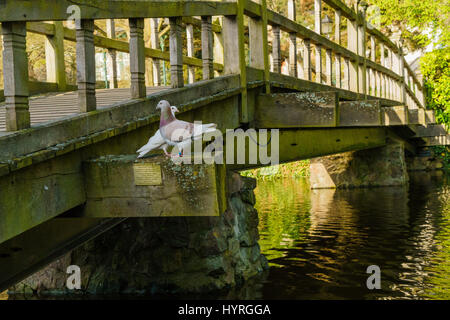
x=51 y=10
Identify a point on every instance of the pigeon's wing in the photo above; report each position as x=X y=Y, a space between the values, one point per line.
x=177 y=131
x=200 y=129
x=156 y=141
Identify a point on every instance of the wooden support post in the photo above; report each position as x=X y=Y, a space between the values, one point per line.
x=86 y=65
x=318 y=16
x=112 y=55
x=190 y=50
x=276 y=49
x=207 y=48
x=352 y=45
x=337 y=57
x=307 y=72
x=403 y=75
x=318 y=47
x=54 y=57
x=234 y=53
x=218 y=47
x=154 y=44
x=137 y=58
x=329 y=67
x=372 y=71
x=382 y=76
x=292 y=14
x=362 y=53
x=15 y=75
x=255 y=40
x=176 y=52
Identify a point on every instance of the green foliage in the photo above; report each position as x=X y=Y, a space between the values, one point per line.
x=436 y=71
x=443 y=152
x=295 y=169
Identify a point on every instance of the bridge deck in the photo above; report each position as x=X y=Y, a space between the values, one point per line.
x=59 y=105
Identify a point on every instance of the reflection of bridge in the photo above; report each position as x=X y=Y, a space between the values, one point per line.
x=351 y=102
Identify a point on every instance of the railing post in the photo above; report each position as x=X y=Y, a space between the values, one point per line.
x=190 y=50
x=154 y=43
x=112 y=54
x=346 y=84
x=176 y=52
x=352 y=45
x=337 y=56
x=373 y=85
x=383 y=76
x=257 y=28
x=218 y=48
x=54 y=57
x=15 y=75
x=307 y=72
x=137 y=58
x=318 y=47
x=276 y=49
x=362 y=51
x=207 y=48
x=292 y=14
x=234 y=53
x=402 y=84
x=86 y=65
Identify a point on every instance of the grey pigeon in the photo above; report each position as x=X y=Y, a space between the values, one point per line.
x=156 y=141
x=177 y=132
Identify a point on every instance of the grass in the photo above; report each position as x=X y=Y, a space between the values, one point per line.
x=297 y=169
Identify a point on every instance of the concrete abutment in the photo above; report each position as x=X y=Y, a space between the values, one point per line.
x=377 y=167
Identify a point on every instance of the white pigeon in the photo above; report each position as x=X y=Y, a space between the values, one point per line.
x=156 y=141
x=177 y=132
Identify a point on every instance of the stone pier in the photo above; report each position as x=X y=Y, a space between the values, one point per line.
x=383 y=166
x=166 y=255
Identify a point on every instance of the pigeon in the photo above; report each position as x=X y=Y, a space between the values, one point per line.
x=156 y=141
x=178 y=133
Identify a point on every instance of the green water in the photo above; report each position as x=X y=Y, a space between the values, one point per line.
x=319 y=243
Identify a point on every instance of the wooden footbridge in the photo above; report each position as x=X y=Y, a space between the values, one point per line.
x=337 y=96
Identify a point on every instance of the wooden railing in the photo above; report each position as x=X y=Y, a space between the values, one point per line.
x=386 y=75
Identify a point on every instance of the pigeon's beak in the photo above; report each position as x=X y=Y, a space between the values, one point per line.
x=158 y=108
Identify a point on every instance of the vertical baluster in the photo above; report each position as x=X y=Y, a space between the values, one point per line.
x=137 y=58
x=318 y=54
x=154 y=44
x=255 y=40
x=276 y=49
x=15 y=75
x=112 y=55
x=329 y=67
x=307 y=72
x=337 y=56
x=292 y=41
x=85 y=65
x=190 y=50
x=54 y=57
x=207 y=48
x=346 y=83
x=176 y=52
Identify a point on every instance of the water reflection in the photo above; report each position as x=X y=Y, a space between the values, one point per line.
x=320 y=242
